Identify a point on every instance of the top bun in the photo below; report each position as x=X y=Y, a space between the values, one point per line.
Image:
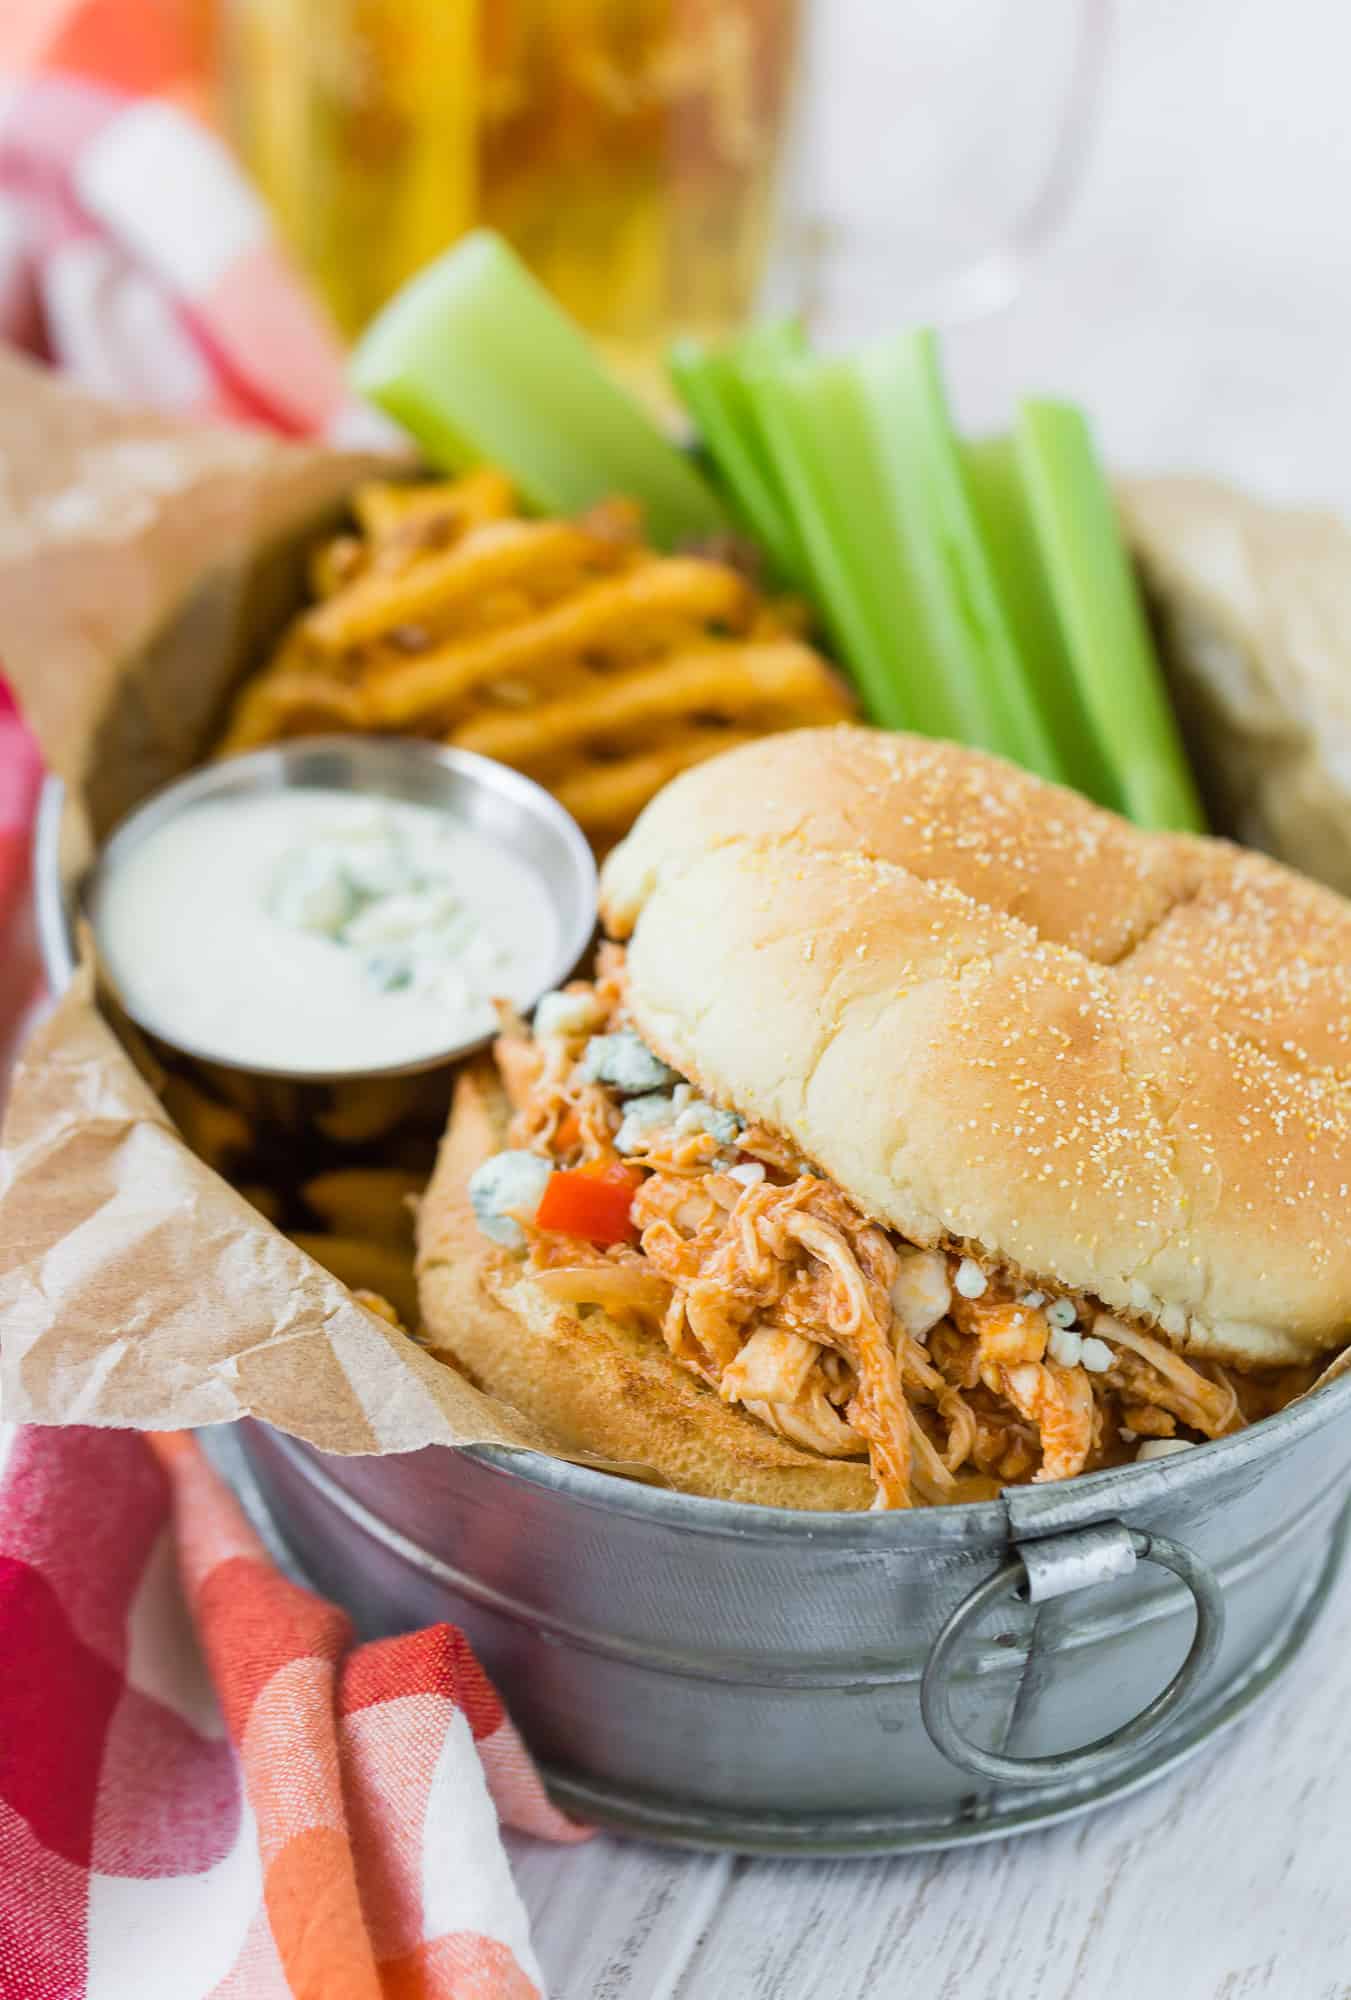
x=1117 y=1063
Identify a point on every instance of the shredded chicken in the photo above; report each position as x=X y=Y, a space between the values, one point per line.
x=773 y=1367
x=771 y=1285
x=1059 y=1401
x=1152 y=1373
x=1011 y=1342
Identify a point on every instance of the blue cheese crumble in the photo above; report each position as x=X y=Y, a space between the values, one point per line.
x=506 y=1186
x=626 y=1063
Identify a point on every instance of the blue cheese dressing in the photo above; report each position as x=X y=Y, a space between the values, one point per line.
x=315 y=931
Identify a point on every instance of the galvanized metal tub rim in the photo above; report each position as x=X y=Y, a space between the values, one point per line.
x=1065 y=1504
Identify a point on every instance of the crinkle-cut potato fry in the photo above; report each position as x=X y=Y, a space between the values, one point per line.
x=235 y=1086
x=366 y=1201
x=400 y=522
x=366 y=1107
x=385 y=508
x=671 y=598
x=617 y=520
x=264 y=1100
x=550 y=557
x=769 y=683
x=364 y=1266
x=265 y=1199
x=607 y=796
x=220 y=1134
x=379 y=1306
x=294 y=703
x=335 y=563
x=781 y=618
x=413 y=1149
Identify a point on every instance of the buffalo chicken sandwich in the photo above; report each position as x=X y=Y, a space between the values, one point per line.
x=923 y=1128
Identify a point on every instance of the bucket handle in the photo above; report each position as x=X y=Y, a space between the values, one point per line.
x=1052 y=1567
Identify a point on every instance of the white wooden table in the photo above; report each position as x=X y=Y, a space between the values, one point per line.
x=1227 y=1881
x=1199 y=300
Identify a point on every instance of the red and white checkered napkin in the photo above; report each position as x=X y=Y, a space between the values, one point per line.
x=20 y=977
x=205 y=1787
x=132 y=250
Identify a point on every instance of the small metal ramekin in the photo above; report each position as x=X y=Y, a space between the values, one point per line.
x=487 y=797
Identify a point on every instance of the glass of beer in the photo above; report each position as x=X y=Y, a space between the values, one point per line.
x=628 y=148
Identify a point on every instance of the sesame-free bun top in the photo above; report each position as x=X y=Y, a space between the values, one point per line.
x=1118 y=1063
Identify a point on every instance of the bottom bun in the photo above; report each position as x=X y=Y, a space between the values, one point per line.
x=600 y=1390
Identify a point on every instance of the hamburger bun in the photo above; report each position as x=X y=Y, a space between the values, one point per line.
x=596 y=1389
x=1115 y=1063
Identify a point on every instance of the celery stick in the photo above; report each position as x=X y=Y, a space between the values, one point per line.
x=954 y=582
x=1101 y=615
x=995 y=486
x=760 y=349
x=767 y=343
x=477 y=362
x=712 y=387
x=819 y=435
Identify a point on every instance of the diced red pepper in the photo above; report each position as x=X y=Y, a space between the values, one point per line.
x=592 y=1202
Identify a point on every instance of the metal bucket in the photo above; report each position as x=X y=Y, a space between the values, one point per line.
x=720 y=1675
x=712 y=1674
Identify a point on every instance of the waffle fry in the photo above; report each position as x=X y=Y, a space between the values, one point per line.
x=367 y=1107
x=220 y=1134
x=366 y=1201
x=565 y=648
x=274 y=1101
x=364 y=1266
x=381 y=1307
x=292 y=704
x=605 y=797
x=654 y=607
x=409 y=514
x=335 y=563
x=399 y=523
x=768 y=684
x=266 y=1200
x=548 y=557
x=235 y=1086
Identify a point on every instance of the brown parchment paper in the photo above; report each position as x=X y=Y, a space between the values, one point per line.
x=144 y=565
x=1252 y=609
